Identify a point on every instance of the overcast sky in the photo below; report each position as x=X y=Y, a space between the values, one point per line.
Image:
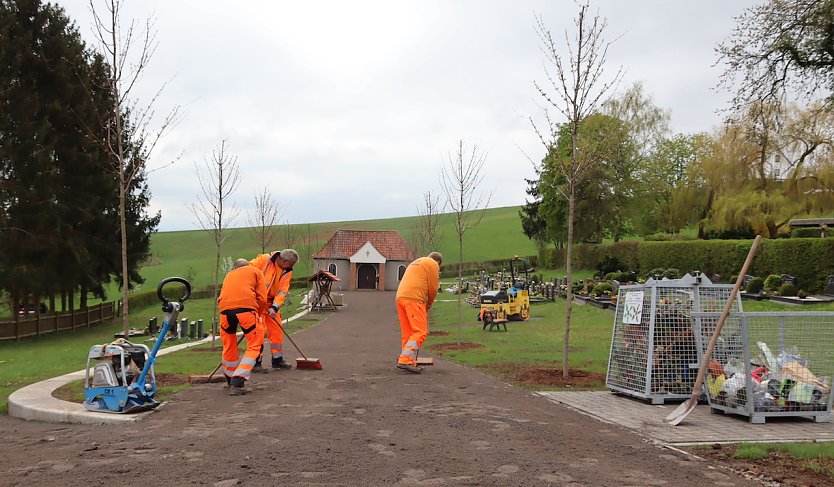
x=346 y=110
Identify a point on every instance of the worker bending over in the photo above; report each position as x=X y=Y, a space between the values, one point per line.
x=241 y=301
x=415 y=295
x=277 y=271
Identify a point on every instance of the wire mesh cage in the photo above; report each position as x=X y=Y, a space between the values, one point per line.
x=653 y=350
x=768 y=364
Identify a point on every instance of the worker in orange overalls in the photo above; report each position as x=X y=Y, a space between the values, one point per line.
x=277 y=271
x=241 y=300
x=415 y=295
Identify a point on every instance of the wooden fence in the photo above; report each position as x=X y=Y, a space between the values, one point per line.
x=40 y=324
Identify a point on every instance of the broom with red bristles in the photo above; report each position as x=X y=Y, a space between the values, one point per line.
x=304 y=362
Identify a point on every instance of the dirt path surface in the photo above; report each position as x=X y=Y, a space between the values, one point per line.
x=360 y=421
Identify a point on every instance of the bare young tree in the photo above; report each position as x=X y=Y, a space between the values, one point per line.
x=219 y=178
x=461 y=179
x=131 y=133
x=427 y=233
x=264 y=221
x=576 y=88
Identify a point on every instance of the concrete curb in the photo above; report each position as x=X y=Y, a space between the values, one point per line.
x=36 y=403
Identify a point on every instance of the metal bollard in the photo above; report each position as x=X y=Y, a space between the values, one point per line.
x=183 y=330
x=192 y=330
x=152 y=328
x=200 y=329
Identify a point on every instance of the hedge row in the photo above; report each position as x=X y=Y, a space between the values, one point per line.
x=810 y=260
x=491 y=266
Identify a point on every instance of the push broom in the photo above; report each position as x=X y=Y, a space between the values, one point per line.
x=304 y=362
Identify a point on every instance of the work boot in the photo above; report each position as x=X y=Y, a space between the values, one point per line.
x=281 y=364
x=237 y=386
x=410 y=368
x=228 y=381
x=259 y=369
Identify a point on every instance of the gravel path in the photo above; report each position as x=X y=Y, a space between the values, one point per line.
x=360 y=421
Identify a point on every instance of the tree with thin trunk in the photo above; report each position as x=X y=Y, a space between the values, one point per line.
x=130 y=132
x=264 y=221
x=575 y=87
x=427 y=233
x=219 y=178
x=461 y=180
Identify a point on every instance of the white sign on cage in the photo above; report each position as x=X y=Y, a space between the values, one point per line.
x=633 y=308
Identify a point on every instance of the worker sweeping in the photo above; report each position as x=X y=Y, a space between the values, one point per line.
x=241 y=301
x=277 y=270
x=415 y=295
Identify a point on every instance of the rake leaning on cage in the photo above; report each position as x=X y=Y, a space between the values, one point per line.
x=241 y=301
x=415 y=295
x=277 y=270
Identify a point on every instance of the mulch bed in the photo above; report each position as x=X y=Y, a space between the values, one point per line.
x=549 y=376
x=776 y=467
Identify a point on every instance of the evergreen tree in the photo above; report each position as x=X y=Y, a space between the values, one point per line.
x=59 y=222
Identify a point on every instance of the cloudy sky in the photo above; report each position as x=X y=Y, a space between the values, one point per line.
x=347 y=110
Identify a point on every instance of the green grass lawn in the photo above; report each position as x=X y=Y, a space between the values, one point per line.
x=536 y=342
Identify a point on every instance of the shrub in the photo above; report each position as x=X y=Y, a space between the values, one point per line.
x=671 y=273
x=737 y=234
x=773 y=282
x=807 y=232
x=608 y=264
x=801 y=294
x=626 y=276
x=655 y=273
x=787 y=289
x=601 y=288
x=755 y=285
x=666 y=237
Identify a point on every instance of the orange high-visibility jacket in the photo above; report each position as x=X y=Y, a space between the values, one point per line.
x=243 y=288
x=277 y=280
x=420 y=281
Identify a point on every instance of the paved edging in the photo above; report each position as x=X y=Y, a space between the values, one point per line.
x=35 y=402
x=700 y=427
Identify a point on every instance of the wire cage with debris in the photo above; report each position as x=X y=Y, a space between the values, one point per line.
x=769 y=364
x=653 y=351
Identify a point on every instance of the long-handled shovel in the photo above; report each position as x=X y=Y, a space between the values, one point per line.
x=300 y=363
x=687 y=406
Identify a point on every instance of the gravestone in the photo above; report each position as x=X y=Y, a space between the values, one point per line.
x=789 y=279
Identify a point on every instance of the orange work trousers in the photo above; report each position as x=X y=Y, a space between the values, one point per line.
x=252 y=329
x=275 y=335
x=414 y=327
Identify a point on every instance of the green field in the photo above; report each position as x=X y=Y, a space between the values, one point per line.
x=193 y=252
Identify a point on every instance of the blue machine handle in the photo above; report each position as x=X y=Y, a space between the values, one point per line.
x=171 y=311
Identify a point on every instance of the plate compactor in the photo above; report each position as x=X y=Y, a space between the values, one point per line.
x=122 y=379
